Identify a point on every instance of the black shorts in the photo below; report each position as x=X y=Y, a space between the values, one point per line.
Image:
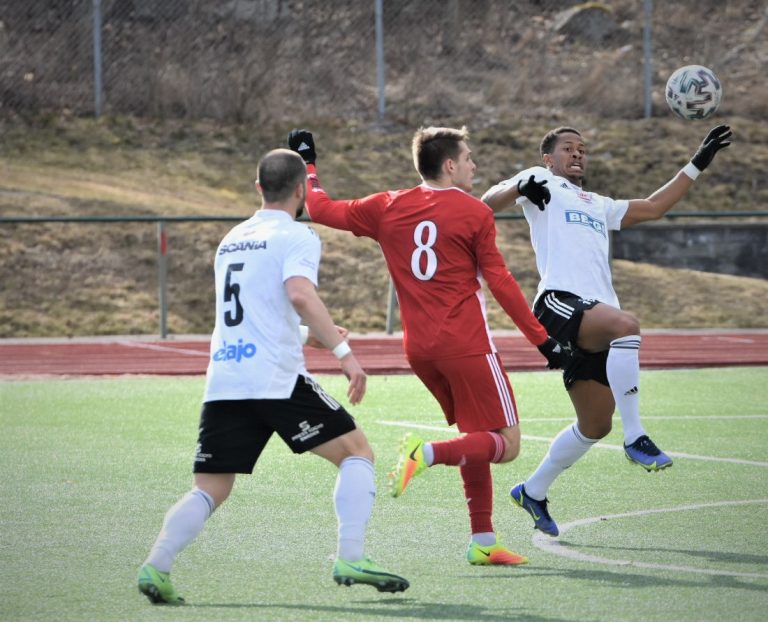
x=560 y=313
x=233 y=433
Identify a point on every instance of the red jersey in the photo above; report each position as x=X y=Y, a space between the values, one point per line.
x=437 y=243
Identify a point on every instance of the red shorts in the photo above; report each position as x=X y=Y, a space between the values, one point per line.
x=473 y=391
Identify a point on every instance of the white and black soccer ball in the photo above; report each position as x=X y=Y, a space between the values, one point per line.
x=693 y=92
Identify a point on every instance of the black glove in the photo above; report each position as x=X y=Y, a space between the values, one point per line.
x=558 y=356
x=716 y=140
x=301 y=142
x=535 y=191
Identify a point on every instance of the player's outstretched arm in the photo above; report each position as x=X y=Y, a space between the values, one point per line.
x=304 y=298
x=500 y=196
x=320 y=207
x=504 y=195
x=662 y=200
x=508 y=294
x=718 y=138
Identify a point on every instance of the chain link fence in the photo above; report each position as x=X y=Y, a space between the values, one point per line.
x=268 y=60
x=291 y=62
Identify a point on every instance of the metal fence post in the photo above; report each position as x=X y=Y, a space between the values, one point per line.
x=162 y=276
x=97 y=84
x=380 y=57
x=647 y=60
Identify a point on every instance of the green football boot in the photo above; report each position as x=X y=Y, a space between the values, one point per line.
x=157 y=586
x=368 y=572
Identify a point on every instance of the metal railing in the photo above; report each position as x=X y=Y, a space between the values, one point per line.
x=162 y=242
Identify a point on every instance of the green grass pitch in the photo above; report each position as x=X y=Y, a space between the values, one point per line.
x=90 y=466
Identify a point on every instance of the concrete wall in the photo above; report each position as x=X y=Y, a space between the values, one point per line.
x=724 y=247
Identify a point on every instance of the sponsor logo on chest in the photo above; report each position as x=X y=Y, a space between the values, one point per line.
x=576 y=217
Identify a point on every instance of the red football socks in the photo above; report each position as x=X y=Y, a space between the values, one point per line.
x=472 y=448
x=478 y=491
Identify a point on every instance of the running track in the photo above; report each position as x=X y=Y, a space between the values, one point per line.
x=378 y=354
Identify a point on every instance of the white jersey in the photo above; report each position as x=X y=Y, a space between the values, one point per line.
x=570 y=237
x=256 y=350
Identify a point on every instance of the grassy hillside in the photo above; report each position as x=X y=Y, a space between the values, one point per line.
x=86 y=279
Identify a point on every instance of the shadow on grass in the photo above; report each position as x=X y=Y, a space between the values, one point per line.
x=639 y=579
x=718 y=557
x=395 y=608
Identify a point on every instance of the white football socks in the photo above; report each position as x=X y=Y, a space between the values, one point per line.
x=484 y=538
x=353 y=498
x=429 y=453
x=567 y=447
x=623 y=370
x=183 y=522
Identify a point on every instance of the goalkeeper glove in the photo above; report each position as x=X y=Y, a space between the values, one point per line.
x=301 y=142
x=558 y=356
x=535 y=191
x=716 y=139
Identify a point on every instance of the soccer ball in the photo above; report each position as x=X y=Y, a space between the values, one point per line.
x=693 y=92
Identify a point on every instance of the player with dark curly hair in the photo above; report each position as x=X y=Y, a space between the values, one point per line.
x=577 y=304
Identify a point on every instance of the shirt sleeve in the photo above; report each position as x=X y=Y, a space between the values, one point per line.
x=614 y=212
x=360 y=216
x=303 y=256
x=494 y=190
x=503 y=285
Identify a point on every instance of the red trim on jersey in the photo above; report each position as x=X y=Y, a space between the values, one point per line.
x=503 y=388
x=473 y=391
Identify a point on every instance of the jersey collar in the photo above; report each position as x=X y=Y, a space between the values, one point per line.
x=424 y=184
x=273 y=213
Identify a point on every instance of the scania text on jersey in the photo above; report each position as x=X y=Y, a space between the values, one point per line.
x=251 y=245
x=575 y=217
x=234 y=352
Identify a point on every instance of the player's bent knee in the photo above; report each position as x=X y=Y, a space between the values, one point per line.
x=604 y=431
x=596 y=430
x=352 y=443
x=361 y=446
x=510 y=454
x=627 y=324
x=511 y=438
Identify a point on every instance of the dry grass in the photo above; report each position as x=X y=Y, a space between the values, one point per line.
x=84 y=279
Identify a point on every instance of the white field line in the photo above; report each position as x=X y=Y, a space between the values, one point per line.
x=713 y=417
x=554 y=546
x=546 y=439
x=157 y=348
x=658 y=418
